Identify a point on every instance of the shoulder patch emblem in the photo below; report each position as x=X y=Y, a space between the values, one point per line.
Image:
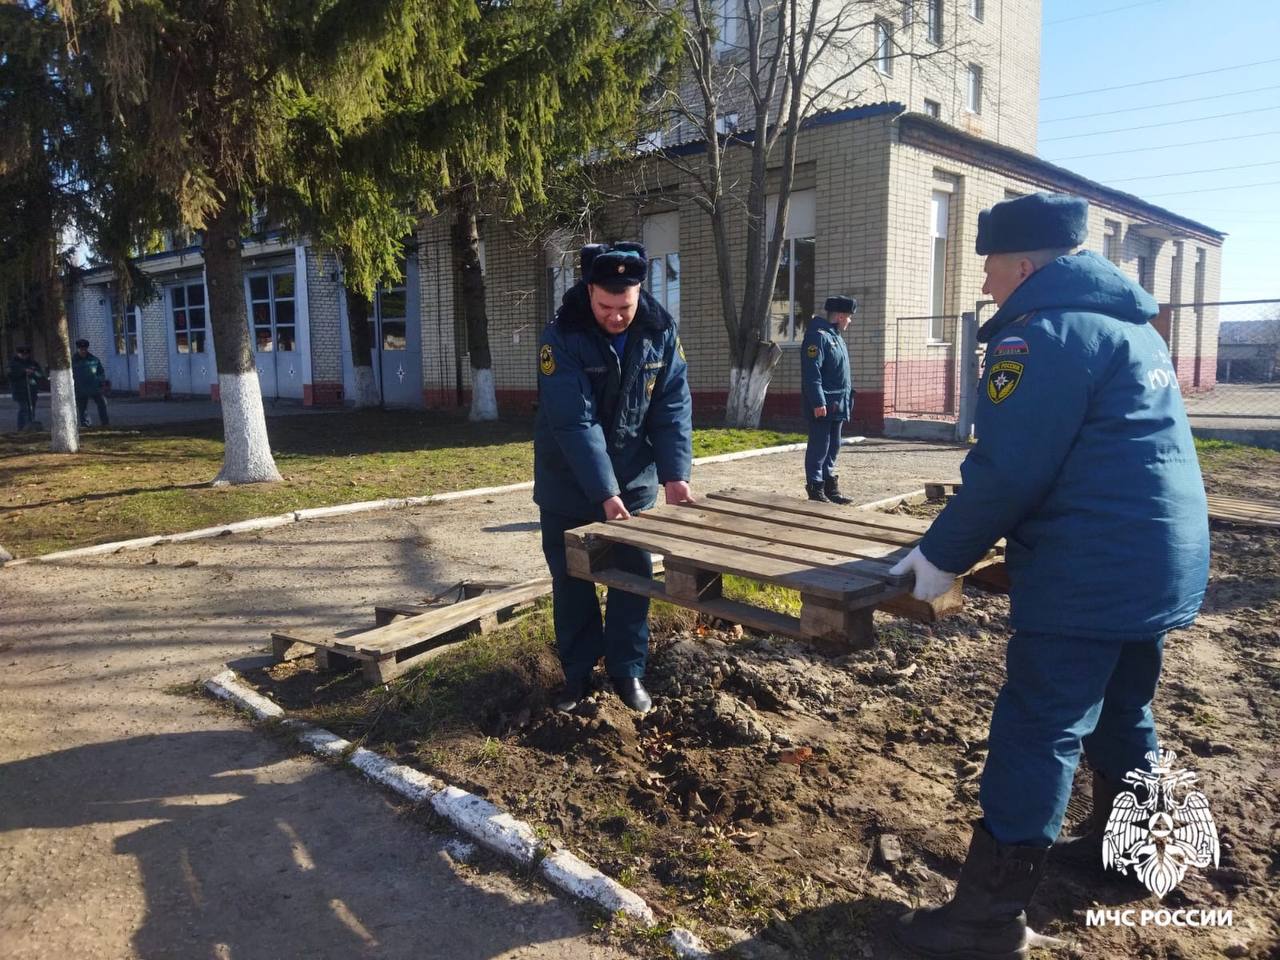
x=1003 y=379
x=812 y=351
x=1011 y=346
x=546 y=360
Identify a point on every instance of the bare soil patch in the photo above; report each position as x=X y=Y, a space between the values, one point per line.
x=795 y=803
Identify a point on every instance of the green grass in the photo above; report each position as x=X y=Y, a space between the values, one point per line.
x=135 y=483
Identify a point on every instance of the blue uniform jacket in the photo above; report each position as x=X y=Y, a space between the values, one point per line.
x=609 y=425
x=825 y=379
x=1084 y=461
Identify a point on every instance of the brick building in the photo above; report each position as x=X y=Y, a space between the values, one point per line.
x=884 y=207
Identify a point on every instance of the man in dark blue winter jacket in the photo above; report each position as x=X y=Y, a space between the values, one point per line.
x=827 y=384
x=1084 y=463
x=614 y=420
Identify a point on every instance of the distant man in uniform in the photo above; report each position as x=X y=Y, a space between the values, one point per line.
x=827 y=385
x=614 y=420
x=24 y=380
x=89 y=379
x=1085 y=464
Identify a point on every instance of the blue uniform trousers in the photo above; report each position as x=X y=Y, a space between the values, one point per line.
x=824 y=447
x=623 y=638
x=1061 y=693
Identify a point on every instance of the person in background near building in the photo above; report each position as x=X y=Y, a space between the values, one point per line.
x=614 y=420
x=90 y=379
x=827 y=385
x=1084 y=463
x=24 y=381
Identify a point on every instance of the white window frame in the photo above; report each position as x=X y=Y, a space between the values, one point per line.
x=973 y=89
x=186 y=308
x=933 y=21
x=939 y=226
x=726 y=123
x=124 y=328
x=562 y=270
x=932 y=108
x=1111 y=240
x=272 y=300
x=649 y=142
x=884 y=47
x=977 y=9
x=801 y=226
x=725 y=16
x=908 y=12
x=661 y=233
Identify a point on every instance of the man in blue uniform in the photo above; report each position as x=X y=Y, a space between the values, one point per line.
x=89 y=378
x=1085 y=465
x=828 y=396
x=614 y=420
x=24 y=379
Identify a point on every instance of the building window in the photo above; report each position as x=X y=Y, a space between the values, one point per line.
x=792 y=303
x=391 y=313
x=908 y=12
x=932 y=108
x=939 y=220
x=724 y=20
x=1199 y=277
x=933 y=19
x=976 y=8
x=726 y=123
x=650 y=141
x=124 y=328
x=1146 y=278
x=561 y=270
x=187 y=307
x=1111 y=241
x=884 y=47
x=662 y=244
x=271 y=311
x=973 y=91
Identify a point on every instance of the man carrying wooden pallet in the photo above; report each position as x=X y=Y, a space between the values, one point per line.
x=614 y=420
x=1085 y=465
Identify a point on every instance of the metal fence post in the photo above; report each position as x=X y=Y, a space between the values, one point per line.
x=968 y=375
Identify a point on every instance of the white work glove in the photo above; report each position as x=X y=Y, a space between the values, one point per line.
x=930 y=581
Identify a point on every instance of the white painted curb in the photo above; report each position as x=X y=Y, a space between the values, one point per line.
x=362 y=506
x=473 y=816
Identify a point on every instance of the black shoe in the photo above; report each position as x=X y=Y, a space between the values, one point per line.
x=1085 y=848
x=987 y=916
x=573 y=693
x=632 y=692
x=814 y=490
x=831 y=487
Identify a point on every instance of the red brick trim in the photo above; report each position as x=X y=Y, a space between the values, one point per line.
x=321 y=394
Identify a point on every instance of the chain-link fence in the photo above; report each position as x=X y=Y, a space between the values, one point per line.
x=923 y=377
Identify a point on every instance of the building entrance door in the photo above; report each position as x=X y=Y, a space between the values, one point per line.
x=396 y=337
x=191 y=366
x=273 y=323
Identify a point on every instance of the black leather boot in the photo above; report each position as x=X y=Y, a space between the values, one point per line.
x=573 y=693
x=831 y=487
x=632 y=692
x=986 y=919
x=1085 y=848
x=815 y=492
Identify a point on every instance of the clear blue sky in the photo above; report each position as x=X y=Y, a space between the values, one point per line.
x=1109 y=44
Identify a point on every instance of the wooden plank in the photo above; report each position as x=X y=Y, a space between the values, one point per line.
x=330 y=662
x=668 y=525
x=283 y=648
x=836 y=630
x=822 y=511
x=690 y=583
x=940 y=490
x=320 y=639
x=734 y=611
x=776 y=528
x=869 y=530
x=1239 y=510
x=784 y=573
x=927 y=611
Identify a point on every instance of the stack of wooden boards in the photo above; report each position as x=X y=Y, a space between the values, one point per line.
x=837 y=558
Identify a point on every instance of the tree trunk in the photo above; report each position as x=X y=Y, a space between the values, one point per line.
x=246 y=456
x=64 y=425
x=484 y=401
x=748 y=385
x=358 y=309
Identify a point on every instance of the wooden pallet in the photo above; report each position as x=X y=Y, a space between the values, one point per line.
x=409 y=635
x=836 y=558
x=941 y=490
x=1260 y=513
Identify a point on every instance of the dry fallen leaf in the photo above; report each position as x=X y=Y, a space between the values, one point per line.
x=796 y=756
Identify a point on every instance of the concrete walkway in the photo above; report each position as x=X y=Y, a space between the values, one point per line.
x=139 y=821
x=135 y=412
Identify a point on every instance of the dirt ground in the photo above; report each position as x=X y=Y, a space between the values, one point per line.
x=140 y=821
x=793 y=804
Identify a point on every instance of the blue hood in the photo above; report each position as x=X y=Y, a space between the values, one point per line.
x=1083 y=282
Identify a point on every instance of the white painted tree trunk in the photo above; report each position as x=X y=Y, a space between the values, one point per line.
x=247 y=454
x=366 y=388
x=63 y=425
x=484 y=400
